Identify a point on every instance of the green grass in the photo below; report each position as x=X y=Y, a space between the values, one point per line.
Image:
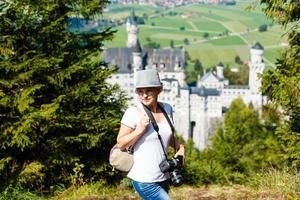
x=227 y=41
x=205 y=25
x=173 y=22
x=269 y=184
x=210 y=56
x=14 y=193
x=272 y=54
x=285 y=182
x=273 y=37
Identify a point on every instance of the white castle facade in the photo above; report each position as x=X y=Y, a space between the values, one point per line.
x=198 y=109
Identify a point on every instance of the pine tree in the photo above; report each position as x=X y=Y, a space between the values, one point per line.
x=57 y=113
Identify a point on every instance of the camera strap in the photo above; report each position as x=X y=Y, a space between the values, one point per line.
x=156 y=128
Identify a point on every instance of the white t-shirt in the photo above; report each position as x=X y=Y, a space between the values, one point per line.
x=148 y=152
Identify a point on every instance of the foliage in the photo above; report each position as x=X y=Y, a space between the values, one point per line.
x=205 y=34
x=15 y=193
x=198 y=68
x=172 y=44
x=152 y=44
x=237 y=78
x=57 y=111
x=237 y=60
x=242 y=147
x=263 y=28
x=282 y=85
x=98 y=190
x=140 y=20
x=186 y=41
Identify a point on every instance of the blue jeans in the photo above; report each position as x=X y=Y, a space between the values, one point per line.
x=152 y=191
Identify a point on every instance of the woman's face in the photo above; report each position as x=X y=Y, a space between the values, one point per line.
x=148 y=96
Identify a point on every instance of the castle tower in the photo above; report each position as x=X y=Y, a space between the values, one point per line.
x=220 y=70
x=137 y=57
x=132 y=30
x=256 y=66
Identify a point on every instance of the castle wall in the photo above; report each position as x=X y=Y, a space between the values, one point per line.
x=182 y=114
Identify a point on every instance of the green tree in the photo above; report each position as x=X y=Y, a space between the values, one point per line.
x=282 y=84
x=244 y=145
x=198 y=67
x=186 y=41
x=237 y=60
x=152 y=44
x=145 y=16
x=237 y=78
x=263 y=28
x=172 y=44
x=58 y=116
x=205 y=35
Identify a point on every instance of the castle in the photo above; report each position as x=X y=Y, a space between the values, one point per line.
x=197 y=109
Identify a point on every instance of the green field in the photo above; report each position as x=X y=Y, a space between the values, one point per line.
x=241 y=29
x=122 y=11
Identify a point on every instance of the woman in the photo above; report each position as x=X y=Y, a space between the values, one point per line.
x=147 y=178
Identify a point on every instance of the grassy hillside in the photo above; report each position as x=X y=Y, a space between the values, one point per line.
x=231 y=30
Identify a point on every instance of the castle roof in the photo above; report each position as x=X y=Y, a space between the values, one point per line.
x=240 y=87
x=137 y=48
x=207 y=75
x=258 y=46
x=122 y=57
x=169 y=79
x=211 y=76
x=204 y=92
x=220 y=64
x=131 y=18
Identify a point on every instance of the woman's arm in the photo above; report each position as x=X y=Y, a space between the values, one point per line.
x=128 y=136
x=179 y=148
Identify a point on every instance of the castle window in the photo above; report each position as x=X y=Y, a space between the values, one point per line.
x=129 y=66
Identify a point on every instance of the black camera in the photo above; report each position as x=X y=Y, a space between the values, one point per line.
x=173 y=167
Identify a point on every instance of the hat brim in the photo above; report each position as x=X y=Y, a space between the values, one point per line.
x=147 y=86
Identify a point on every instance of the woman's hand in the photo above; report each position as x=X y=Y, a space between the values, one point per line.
x=143 y=125
x=180 y=151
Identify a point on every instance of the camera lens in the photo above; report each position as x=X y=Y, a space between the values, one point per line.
x=176 y=177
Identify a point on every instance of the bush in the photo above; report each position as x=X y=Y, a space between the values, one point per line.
x=242 y=147
x=263 y=28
